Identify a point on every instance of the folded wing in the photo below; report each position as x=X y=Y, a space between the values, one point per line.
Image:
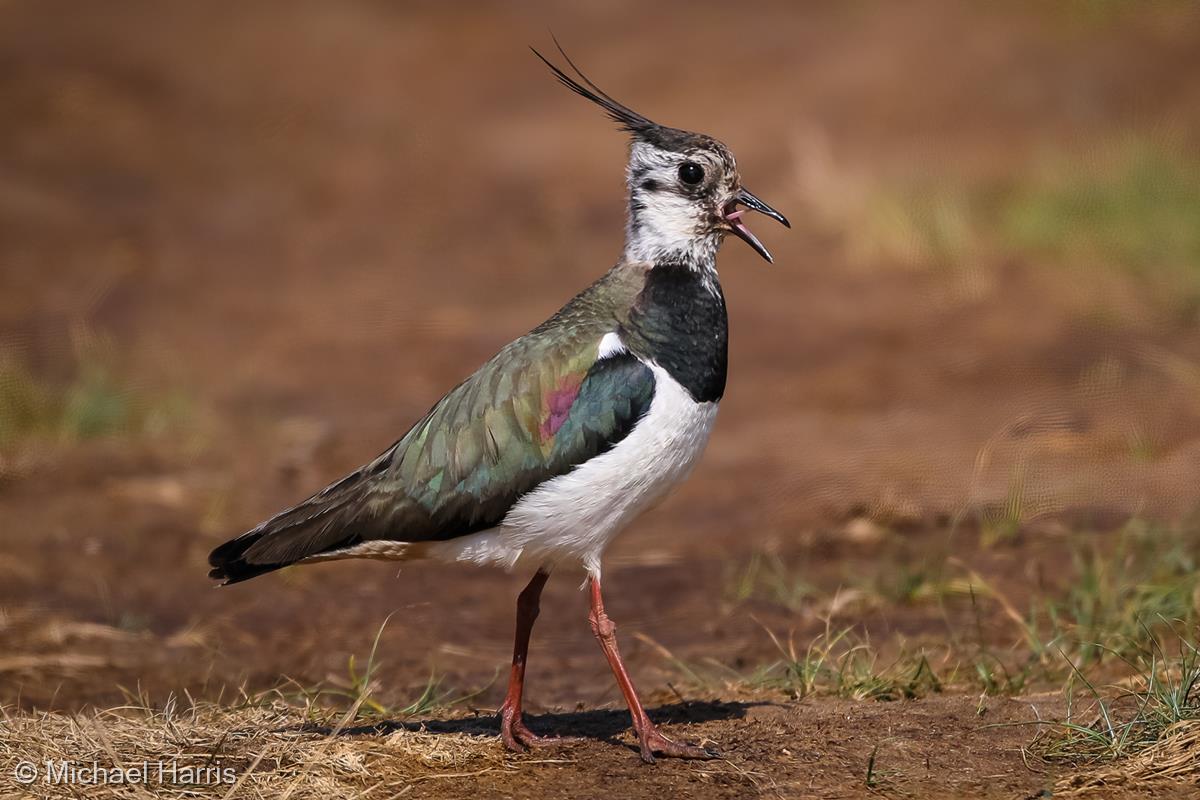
x=542 y=406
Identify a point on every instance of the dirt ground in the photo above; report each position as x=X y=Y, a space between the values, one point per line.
x=946 y=747
x=309 y=220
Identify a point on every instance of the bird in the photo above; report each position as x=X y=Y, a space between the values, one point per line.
x=570 y=432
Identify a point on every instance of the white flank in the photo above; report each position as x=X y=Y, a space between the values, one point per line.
x=575 y=516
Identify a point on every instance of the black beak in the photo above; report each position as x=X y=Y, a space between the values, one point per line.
x=733 y=216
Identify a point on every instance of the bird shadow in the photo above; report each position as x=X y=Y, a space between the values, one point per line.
x=599 y=724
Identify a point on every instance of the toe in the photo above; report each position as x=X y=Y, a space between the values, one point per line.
x=656 y=744
x=518 y=738
x=513 y=741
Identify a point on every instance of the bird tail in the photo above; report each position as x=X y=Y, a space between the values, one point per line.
x=230 y=563
x=316 y=529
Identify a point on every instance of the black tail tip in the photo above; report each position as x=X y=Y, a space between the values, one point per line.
x=238 y=571
x=229 y=564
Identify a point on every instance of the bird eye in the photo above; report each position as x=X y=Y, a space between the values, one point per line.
x=691 y=173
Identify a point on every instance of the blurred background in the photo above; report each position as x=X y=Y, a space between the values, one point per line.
x=243 y=246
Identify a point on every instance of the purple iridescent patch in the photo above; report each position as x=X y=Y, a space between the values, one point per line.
x=558 y=404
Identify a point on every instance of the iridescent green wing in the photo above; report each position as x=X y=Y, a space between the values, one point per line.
x=536 y=411
x=539 y=408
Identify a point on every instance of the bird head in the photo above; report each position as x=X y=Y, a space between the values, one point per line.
x=685 y=192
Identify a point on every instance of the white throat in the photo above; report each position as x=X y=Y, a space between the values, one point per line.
x=663 y=230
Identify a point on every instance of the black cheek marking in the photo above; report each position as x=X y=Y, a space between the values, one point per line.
x=650 y=185
x=679 y=323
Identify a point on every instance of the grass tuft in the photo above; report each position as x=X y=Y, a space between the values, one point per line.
x=355 y=695
x=837 y=663
x=1118 y=596
x=1128 y=207
x=94 y=399
x=1124 y=719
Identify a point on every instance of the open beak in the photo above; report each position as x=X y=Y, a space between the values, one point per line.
x=733 y=217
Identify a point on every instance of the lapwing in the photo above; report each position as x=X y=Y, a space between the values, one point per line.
x=568 y=433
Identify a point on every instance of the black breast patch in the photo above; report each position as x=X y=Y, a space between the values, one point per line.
x=680 y=323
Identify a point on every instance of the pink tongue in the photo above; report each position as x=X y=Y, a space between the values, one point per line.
x=739 y=225
x=734 y=218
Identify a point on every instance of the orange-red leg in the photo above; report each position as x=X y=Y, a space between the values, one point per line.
x=512 y=727
x=651 y=740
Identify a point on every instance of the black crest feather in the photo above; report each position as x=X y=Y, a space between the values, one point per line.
x=621 y=114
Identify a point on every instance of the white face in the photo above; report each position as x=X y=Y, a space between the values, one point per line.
x=677 y=200
x=684 y=187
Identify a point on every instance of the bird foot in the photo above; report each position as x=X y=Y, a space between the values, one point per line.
x=519 y=739
x=653 y=743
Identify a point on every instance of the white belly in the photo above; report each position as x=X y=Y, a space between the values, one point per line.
x=575 y=516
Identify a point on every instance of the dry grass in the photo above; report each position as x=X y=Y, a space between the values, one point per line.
x=1161 y=770
x=253 y=751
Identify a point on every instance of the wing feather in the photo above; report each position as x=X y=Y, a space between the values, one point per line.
x=542 y=406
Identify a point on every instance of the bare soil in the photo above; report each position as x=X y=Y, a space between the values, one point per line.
x=312 y=219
